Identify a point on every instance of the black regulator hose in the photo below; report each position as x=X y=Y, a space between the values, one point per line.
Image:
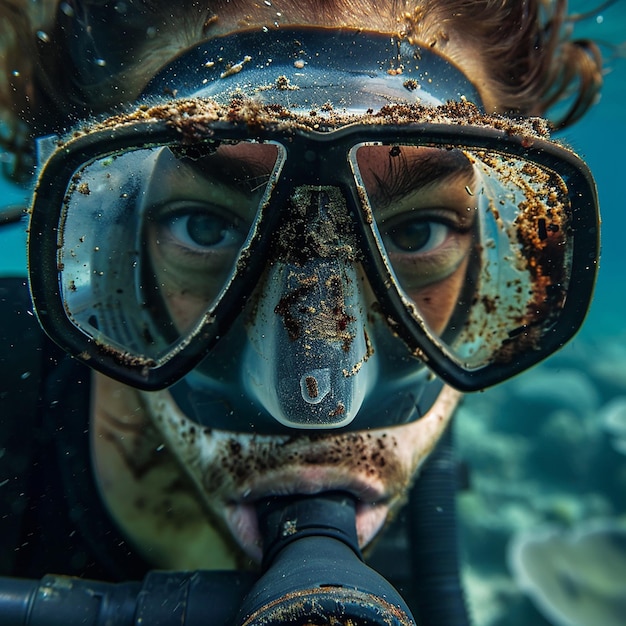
x=433 y=540
x=202 y=598
x=315 y=574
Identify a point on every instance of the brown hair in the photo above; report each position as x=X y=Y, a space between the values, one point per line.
x=531 y=62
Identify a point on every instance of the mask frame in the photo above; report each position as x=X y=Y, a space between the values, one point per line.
x=194 y=120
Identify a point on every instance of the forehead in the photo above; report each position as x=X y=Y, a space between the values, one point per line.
x=234 y=161
x=434 y=161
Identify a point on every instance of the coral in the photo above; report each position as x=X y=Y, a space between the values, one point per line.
x=613 y=418
x=575 y=577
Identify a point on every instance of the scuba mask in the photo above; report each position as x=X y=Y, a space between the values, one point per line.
x=311 y=232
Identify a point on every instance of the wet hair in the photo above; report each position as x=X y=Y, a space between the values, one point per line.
x=532 y=63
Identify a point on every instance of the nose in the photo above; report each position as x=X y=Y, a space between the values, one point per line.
x=308 y=361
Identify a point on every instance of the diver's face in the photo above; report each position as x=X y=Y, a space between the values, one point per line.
x=428 y=233
x=204 y=516
x=200 y=212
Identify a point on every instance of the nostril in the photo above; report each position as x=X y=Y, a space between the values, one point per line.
x=315 y=385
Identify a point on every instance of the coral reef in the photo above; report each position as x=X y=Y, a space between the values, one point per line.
x=543 y=450
x=576 y=577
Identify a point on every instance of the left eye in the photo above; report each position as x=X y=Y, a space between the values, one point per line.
x=203 y=230
x=415 y=236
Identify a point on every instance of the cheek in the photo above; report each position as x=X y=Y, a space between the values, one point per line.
x=184 y=310
x=436 y=303
x=417 y=440
x=183 y=304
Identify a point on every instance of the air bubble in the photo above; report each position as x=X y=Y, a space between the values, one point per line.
x=67 y=9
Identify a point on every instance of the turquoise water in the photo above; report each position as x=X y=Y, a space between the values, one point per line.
x=545 y=469
x=537 y=447
x=12 y=238
x=599 y=138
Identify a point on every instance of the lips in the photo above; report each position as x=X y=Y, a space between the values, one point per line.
x=372 y=505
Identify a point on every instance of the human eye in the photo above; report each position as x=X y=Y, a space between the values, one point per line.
x=425 y=245
x=193 y=246
x=424 y=208
x=199 y=230
x=415 y=235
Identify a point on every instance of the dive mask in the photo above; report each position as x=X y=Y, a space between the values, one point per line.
x=309 y=229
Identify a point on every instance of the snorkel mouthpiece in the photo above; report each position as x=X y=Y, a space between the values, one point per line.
x=314 y=569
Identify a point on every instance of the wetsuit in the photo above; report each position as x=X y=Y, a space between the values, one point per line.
x=52 y=518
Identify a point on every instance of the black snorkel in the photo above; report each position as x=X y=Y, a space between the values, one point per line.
x=432 y=529
x=314 y=570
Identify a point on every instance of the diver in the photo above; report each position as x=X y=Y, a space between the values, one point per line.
x=270 y=245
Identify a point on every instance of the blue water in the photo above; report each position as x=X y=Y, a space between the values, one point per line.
x=600 y=139
x=536 y=446
x=12 y=238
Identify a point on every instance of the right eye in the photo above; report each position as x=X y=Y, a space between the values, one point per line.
x=193 y=247
x=202 y=230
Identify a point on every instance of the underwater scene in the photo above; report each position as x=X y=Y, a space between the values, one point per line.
x=543 y=513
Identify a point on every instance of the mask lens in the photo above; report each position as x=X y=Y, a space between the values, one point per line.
x=477 y=241
x=151 y=239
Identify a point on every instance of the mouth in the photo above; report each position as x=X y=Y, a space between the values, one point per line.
x=372 y=507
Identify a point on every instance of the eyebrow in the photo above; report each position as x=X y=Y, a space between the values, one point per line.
x=247 y=175
x=402 y=175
